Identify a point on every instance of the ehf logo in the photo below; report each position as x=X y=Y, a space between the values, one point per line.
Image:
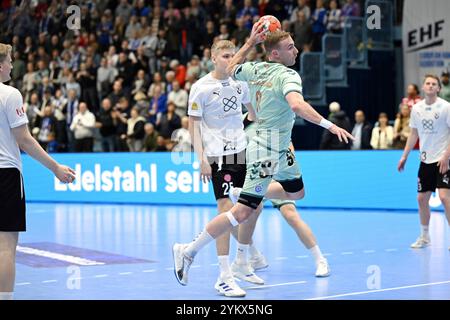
x=258 y=189
x=20 y=112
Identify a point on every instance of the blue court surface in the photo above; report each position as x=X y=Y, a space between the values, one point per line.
x=89 y=251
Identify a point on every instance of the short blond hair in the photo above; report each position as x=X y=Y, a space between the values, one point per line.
x=5 y=50
x=222 y=45
x=273 y=39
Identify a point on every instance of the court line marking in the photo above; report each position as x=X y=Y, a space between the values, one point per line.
x=380 y=290
x=347 y=252
x=276 y=285
x=151 y=270
x=49 y=281
x=59 y=256
x=23 y=284
x=101 y=276
x=125 y=273
x=301 y=257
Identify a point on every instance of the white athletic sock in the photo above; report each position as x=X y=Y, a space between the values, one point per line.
x=253 y=251
x=224 y=265
x=317 y=254
x=202 y=240
x=241 y=254
x=425 y=233
x=6 y=295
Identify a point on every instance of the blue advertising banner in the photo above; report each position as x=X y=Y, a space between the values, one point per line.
x=333 y=179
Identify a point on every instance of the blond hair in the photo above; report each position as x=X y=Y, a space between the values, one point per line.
x=5 y=50
x=273 y=39
x=221 y=45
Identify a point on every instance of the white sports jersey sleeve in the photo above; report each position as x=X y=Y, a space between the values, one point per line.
x=14 y=109
x=246 y=93
x=195 y=107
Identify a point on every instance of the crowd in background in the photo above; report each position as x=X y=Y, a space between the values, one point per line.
x=121 y=82
x=385 y=134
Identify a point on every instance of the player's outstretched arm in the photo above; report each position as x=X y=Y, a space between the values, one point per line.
x=257 y=35
x=28 y=144
x=304 y=110
x=410 y=143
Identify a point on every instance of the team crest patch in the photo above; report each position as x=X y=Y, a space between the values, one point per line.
x=227 y=177
x=194 y=106
x=258 y=189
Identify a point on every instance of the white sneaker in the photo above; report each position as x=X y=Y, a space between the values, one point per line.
x=258 y=262
x=181 y=263
x=421 y=242
x=226 y=286
x=244 y=272
x=234 y=194
x=323 y=269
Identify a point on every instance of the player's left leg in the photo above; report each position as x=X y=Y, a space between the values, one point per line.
x=306 y=236
x=8 y=244
x=444 y=195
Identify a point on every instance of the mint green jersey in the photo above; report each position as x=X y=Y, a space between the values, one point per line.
x=269 y=83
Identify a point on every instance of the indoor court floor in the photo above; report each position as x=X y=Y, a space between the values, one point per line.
x=93 y=251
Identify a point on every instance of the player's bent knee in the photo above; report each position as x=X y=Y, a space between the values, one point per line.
x=242 y=213
x=297 y=195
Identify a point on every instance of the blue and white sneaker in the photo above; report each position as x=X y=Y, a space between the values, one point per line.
x=226 y=286
x=244 y=272
x=258 y=262
x=181 y=263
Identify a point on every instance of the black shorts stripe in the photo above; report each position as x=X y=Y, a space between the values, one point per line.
x=250 y=200
x=292 y=186
x=12 y=201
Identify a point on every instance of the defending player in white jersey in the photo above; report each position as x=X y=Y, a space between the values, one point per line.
x=217 y=131
x=14 y=136
x=430 y=122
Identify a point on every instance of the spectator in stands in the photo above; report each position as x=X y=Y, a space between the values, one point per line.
x=168 y=122
x=157 y=81
x=158 y=104
x=140 y=83
x=150 y=138
x=248 y=12
x=83 y=129
x=59 y=103
x=18 y=71
x=240 y=34
x=181 y=137
x=106 y=125
x=180 y=98
x=206 y=64
x=402 y=129
x=29 y=80
x=412 y=96
x=351 y=9
x=135 y=131
x=193 y=68
x=105 y=78
x=47 y=130
x=362 y=131
x=383 y=134
x=88 y=86
x=33 y=110
x=333 y=107
x=160 y=144
x=302 y=6
x=319 y=22
x=117 y=93
x=445 y=86
x=180 y=71
x=124 y=10
x=334 y=19
x=302 y=30
x=121 y=114
x=331 y=141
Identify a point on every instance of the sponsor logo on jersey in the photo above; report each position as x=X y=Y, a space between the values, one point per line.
x=258 y=189
x=20 y=111
x=194 y=106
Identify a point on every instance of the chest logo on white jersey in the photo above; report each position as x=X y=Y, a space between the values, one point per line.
x=436 y=116
x=229 y=104
x=427 y=124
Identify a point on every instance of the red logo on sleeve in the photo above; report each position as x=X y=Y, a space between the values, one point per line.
x=20 y=112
